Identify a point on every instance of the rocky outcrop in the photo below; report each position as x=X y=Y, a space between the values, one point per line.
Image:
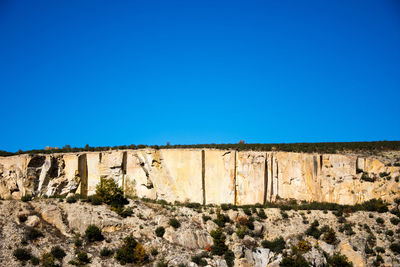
x=204 y=175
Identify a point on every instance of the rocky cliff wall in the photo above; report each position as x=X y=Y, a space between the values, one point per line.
x=203 y=176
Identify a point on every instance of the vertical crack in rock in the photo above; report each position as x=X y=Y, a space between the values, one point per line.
x=234 y=180
x=265 y=178
x=203 y=175
x=272 y=177
x=83 y=173
x=320 y=162
x=315 y=166
x=277 y=178
x=123 y=168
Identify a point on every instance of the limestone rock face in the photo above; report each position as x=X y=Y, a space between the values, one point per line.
x=353 y=256
x=207 y=176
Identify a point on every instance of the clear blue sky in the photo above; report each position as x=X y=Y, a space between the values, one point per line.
x=147 y=72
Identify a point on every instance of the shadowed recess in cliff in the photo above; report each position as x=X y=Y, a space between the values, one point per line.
x=83 y=173
x=203 y=175
x=265 y=178
x=37 y=161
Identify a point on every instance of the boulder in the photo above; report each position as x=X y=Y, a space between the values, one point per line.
x=353 y=256
x=32 y=221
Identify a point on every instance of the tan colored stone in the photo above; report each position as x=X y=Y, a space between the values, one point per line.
x=353 y=256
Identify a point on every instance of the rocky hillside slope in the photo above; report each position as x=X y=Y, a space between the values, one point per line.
x=179 y=235
x=207 y=176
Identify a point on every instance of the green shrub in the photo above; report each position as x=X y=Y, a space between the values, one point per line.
x=26 y=198
x=82 y=257
x=261 y=214
x=329 y=235
x=22 y=254
x=303 y=246
x=378 y=261
x=58 y=252
x=48 y=260
x=383 y=174
x=284 y=215
x=226 y=207
x=373 y=205
x=109 y=192
x=394 y=220
x=368 y=250
x=154 y=252
x=198 y=259
x=371 y=240
x=246 y=211
x=131 y=252
x=106 y=252
x=34 y=260
x=160 y=231
x=347 y=228
x=93 y=233
x=219 y=247
x=229 y=258
x=380 y=220
x=32 y=234
x=339 y=260
x=295 y=260
x=72 y=199
x=221 y=219
x=366 y=178
x=123 y=212
x=313 y=230
x=241 y=231
x=206 y=218
x=95 y=200
x=380 y=249
x=395 y=247
x=174 y=223
x=276 y=245
x=389 y=233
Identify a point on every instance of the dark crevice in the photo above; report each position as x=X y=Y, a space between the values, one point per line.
x=37 y=161
x=53 y=170
x=83 y=173
x=265 y=179
x=320 y=162
x=277 y=178
x=203 y=175
x=315 y=165
x=124 y=162
x=272 y=177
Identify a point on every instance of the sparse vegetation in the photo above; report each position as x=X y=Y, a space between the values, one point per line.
x=174 y=223
x=131 y=252
x=276 y=245
x=395 y=247
x=32 y=234
x=72 y=199
x=160 y=231
x=339 y=260
x=93 y=233
x=330 y=147
x=22 y=254
x=58 y=252
x=106 y=252
x=26 y=198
